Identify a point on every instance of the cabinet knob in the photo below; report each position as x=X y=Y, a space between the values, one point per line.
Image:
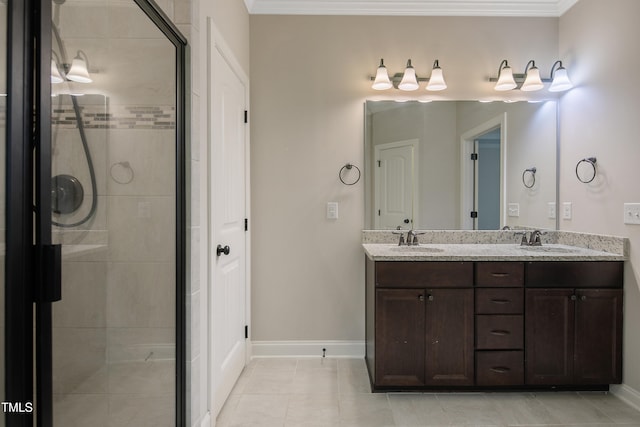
x=583 y=297
x=421 y=297
x=430 y=297
x=573 y=297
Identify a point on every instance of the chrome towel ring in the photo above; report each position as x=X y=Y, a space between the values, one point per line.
x=532 y=172
x=586 y=177
x=344 y=170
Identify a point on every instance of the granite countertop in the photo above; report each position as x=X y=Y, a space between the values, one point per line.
x=485 y=252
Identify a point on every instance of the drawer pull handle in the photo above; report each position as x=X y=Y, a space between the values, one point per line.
x=499 y=274
x=500 y=369
x=500 y=332
x=500 y=301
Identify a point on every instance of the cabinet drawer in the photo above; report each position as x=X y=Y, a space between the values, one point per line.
x=574 y=274
x=492 y=274
x=496 y=368
x=419 y=274
x=499 y=301
x=499 y=332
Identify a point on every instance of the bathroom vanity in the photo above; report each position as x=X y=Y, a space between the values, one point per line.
x=492 y=316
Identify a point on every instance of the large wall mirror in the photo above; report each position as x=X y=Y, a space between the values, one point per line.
x=450 y=165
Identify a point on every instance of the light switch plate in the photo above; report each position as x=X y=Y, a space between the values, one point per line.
x=632 y=213
x=513 y=209
x=551 y=210
x=567 y=210
x=332 y=210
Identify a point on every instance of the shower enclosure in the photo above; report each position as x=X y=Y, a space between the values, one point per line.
x=95 y=309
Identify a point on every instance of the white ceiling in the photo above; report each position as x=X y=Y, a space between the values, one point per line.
x=541 y=8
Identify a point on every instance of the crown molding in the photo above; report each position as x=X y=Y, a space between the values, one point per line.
x=524 y=8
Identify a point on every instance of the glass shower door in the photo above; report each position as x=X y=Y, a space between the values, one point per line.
x=116 y=191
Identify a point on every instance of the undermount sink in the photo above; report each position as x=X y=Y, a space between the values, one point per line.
x=415 y=249
x=548 y=249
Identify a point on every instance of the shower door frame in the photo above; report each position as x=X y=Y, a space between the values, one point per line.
x=30 y=277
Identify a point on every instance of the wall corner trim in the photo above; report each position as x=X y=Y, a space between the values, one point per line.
x=627 y=394
x=346 y=349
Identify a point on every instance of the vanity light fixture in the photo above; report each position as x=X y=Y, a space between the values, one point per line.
x=436 y=81
x=559 y=78
x=532 y=80
x=79 y=69
x=382 y=81
x=505 y=77
x=408 y=80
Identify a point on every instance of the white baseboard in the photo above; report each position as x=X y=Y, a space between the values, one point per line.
x=629 y=395
x=352 y=349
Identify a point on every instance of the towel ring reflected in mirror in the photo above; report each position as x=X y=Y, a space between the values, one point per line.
x=532 y=180
x=347 y=168
x=590 y=174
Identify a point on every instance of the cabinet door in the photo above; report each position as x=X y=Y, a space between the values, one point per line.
x=449 y=337
x=549 y=332
x=400 y=337
x=598 y=339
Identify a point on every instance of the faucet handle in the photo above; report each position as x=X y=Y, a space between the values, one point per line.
x=523 y=241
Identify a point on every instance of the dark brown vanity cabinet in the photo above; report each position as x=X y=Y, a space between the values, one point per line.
x=574 y=323
x=492 y=324
x=423 y=324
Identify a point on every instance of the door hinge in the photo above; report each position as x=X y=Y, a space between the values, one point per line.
x=246 y=224
x=246 y=331
x=474 y=214
x=246 y=116
x=379 y=212
x=379 y=163
x=474 y=156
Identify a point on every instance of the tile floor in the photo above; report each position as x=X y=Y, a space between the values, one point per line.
x=335 y=393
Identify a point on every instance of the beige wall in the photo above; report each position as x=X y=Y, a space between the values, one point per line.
x=309 y=80
x=600 y=119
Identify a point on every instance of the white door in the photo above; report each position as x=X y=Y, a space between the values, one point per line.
x=227 y=241
x=394 y=184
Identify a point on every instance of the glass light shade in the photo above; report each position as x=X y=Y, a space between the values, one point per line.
x=382 y=81
x=56 y=77
x=533 y=81
x=506 y=80
x=78 y=71
x=436 y=81
x=560 y=81
x=409 y=80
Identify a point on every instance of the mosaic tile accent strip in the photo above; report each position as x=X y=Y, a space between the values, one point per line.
x=161 y=117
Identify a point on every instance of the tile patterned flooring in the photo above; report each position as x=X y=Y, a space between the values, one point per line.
x=335 y=393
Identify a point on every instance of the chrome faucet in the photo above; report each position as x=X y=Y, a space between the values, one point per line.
x=411 y=240
x=412 y=237
x=534 y=238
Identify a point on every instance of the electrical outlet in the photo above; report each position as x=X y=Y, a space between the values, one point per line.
x=632 y=213
x=513 y=209
x=551 y=210
x=566 y=210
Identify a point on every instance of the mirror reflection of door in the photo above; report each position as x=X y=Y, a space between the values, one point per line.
x=487 y=181
x=394 y=184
